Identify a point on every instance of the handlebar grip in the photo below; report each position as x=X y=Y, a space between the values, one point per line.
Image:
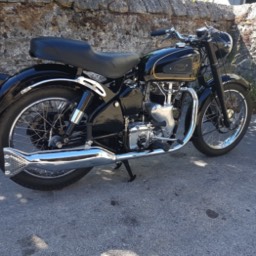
x=160 y=32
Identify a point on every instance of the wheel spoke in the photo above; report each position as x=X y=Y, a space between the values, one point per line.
x=218 y=136
x=31 y=130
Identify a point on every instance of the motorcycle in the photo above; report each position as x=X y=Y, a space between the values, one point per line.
x=57 y=122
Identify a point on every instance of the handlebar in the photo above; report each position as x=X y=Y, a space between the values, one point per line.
x=204 y=33
x=160 y=32
x=172 y=32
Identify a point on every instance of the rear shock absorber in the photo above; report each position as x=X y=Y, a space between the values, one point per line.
x=78 y=113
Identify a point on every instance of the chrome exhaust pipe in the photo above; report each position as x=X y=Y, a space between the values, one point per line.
x=17 y=161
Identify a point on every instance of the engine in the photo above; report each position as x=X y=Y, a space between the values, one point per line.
x=140 y=135
x=162 y=116
x=160 y=119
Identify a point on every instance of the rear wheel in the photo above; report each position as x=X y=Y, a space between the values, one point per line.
x=32 y=123
x=211 y=136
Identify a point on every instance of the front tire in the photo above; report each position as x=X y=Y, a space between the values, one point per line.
x=28 y=125
x=211 y=137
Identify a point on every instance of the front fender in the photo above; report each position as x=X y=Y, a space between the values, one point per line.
x=208 y=91
x=11 y=88
x=231 y=78
x=226 y=79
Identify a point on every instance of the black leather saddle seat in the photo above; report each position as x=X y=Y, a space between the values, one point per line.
x=80 y=54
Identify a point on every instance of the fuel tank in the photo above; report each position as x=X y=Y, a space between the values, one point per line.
x=178 y=64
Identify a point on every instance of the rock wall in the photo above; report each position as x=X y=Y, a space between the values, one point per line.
x=244 y=55
x=118 y=25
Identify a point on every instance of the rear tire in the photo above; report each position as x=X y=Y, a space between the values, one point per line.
x=211 y=137
x=25 y=126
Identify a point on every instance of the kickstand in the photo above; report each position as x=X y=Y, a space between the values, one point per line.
x=118 y=165
x=128 y=169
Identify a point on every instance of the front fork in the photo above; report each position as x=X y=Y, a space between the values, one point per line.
x=218 y=81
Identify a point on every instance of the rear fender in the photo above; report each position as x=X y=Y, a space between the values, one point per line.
x=11 y=88
x=3 y=77
x=35 y=77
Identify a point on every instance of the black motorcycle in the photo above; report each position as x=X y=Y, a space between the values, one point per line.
x=57 y=122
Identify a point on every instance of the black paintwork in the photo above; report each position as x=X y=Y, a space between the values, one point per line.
x=10 y=89
x=131 y=101
x=228 y=78
x=3 y=77
x=109 y=117
x=180 y=64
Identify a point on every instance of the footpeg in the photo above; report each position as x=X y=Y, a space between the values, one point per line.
x=160 y=145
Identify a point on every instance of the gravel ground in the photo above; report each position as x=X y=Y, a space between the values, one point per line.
x=183 y=203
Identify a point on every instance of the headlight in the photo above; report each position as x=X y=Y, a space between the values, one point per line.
x=223 y=44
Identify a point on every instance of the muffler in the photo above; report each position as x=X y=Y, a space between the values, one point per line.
x=17 y=161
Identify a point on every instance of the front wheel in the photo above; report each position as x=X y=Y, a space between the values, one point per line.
x=32 y=122
x=211 y=136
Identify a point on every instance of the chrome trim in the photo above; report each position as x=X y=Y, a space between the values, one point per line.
x=89 y=83
x=169 y=94
x=164 y=138
x=77 y=116
x=17 y=161
x=194 y=112
x=230 y=139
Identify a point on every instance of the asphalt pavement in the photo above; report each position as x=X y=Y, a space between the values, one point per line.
x=182 y=203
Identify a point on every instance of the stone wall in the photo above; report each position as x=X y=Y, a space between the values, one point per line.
x=244 y=54
x=115 y=25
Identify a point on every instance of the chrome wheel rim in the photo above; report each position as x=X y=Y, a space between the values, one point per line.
x=34 y=126
x=214 y=132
